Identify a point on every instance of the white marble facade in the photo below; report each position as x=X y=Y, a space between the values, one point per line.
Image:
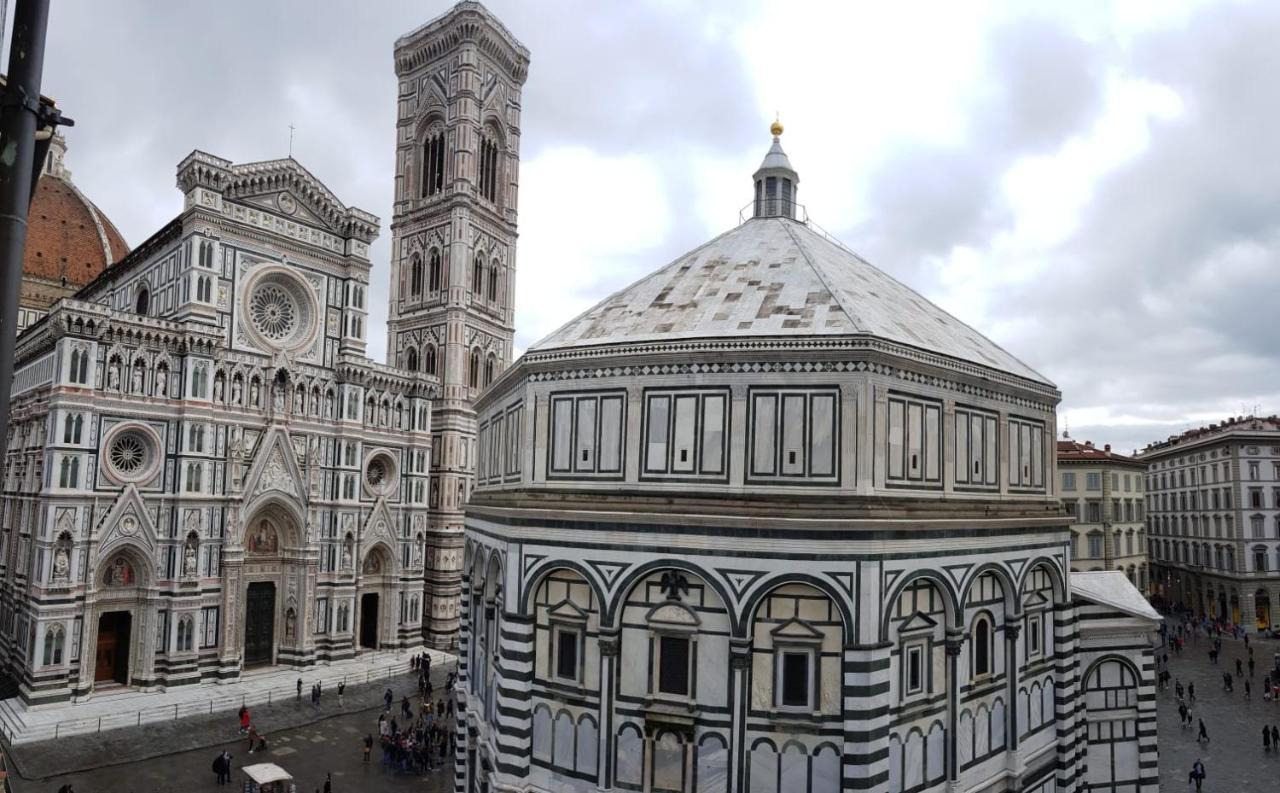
x=205 y=472
x=769 y=521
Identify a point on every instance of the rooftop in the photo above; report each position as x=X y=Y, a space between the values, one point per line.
x=1230 y=424
x=1073 y=451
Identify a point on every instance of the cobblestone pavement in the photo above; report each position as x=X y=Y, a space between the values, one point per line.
x=1234 y=758
x=176 y=756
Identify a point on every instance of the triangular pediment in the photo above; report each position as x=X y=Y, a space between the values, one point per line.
x=796 y=629
x=127 y=522
x=287 y=204
x=378 y=527
x=567 y=610
x=275 y=468
x=918 y=622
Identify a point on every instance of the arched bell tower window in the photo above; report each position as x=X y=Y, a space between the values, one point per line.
x=477 y=277
x=434 y=273
x=433 y=164
x=429 y=364
x=473 y=378
x=489 y=163
x=411 y=360
x=415 y=276
x=493 y=282
x=143 y=302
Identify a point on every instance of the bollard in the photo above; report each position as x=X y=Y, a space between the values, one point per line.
x=139 y=724
x=99 y=724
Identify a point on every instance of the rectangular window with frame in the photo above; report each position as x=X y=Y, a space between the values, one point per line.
x=913 y=673
x=685 y=433
x=1068 y=480
x=209 y=627
x=568 y=643
x=674 y=660
x=795 y=678
x=586 y=435
x=1035 y=635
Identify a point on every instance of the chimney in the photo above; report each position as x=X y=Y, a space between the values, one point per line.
x=1107 y=448
x=1088 y=444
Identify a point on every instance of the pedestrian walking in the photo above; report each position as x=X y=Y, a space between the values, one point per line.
x=244 y=720
x=387 y=699
x=1275 y=736
x=342 y=686
x=426 y=662
x=1182 y=714
x=253 y=739
x=328 y=783
x=66 y=789
x=1204 y=734
x=1250 y=666
x=218 y=763
x=299 y=689
x=1239 y=668
x=368 y=744
x=1197 y=773
x=226 y=767
x=1191 y=692
x=1266 y=738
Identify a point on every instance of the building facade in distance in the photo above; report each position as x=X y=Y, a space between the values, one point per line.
x=1213 y=515
x=453 y=256
x=767 y=520
x=204 y=471
x=1103 y=491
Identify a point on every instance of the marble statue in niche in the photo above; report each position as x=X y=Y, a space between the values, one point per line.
x=61 y=565
x=162 y=381
x=137 y=378
x=113 y=375
x=236 y=389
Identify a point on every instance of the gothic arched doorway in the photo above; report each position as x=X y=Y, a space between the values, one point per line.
x=273 y=588
x=375 y=590
x=369 y=620
x=112 y=659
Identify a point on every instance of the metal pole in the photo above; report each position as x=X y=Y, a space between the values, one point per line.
x=19 y=117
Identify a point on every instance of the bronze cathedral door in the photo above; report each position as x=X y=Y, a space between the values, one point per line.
x=259 y=623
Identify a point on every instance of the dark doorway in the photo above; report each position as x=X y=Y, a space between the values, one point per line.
x=369 y=620
x=259 y=623
x=113 y=647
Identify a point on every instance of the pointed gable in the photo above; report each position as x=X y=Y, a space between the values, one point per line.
x=127 y=522
x=379 y=527
x=275 y=467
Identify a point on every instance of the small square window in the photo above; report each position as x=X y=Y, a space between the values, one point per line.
x=796 y=682
x=673 y=665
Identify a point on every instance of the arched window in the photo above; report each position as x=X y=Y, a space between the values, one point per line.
x=493 y=282
x=433 y=164
x=434 y=273
x=144 y=301
x=477 y=277
x=64 y=474
x=982 y=646
x=429 y=360
x=473 y=375
x=489 y=369
x=488 y=176
x=53 y=642
x=75 y=367
x=411 y=360
x=68 y=429
x=186 y=630
x=415 y=276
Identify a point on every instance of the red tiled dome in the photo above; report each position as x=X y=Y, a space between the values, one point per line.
x=67 y=235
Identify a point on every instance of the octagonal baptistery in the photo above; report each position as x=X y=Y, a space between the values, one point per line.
x=768 y=520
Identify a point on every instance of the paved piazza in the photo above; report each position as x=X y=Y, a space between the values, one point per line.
x=1234 y=758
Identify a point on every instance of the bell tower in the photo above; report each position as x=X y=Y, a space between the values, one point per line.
x=453 y=255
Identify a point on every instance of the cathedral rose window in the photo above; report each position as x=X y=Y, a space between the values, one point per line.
x=377 y=472
x=131 y=453
x=279 y=310
x=275 y=314
x=380 y=472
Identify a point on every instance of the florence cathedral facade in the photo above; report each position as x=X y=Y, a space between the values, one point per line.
x=205 y=472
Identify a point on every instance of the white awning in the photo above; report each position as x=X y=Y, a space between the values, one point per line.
x=266 y=773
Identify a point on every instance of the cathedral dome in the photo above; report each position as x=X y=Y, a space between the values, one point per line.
x=69 y=240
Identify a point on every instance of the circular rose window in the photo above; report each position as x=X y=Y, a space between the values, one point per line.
x=280 y=310
x=131 y=453
x=380 y=473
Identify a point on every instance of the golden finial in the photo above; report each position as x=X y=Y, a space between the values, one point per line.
x=776 y=126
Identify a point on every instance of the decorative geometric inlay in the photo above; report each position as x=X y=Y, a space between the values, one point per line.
x=844 y=581
x=531 y=561
x=956 y=572
x=608 y=571
x=1015 y=567
x=891 y=576
x=740 y=580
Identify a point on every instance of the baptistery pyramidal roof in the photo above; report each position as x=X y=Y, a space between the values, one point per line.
x=774 y=276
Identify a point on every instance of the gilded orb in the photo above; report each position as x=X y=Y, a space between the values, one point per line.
x=776 y=128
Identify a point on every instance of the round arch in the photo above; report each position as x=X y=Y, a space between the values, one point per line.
x=1100 y=660
x=1012 y=603
x=753 y=601
x=950 y=599
x=609 y=617
x=1055 y=575
x=285 y=515
x=534 y=580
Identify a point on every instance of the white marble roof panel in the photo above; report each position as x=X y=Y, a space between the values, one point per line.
x=1112 y=588
x=776 y=277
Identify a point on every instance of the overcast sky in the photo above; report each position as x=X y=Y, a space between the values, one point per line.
x=1095 y=186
